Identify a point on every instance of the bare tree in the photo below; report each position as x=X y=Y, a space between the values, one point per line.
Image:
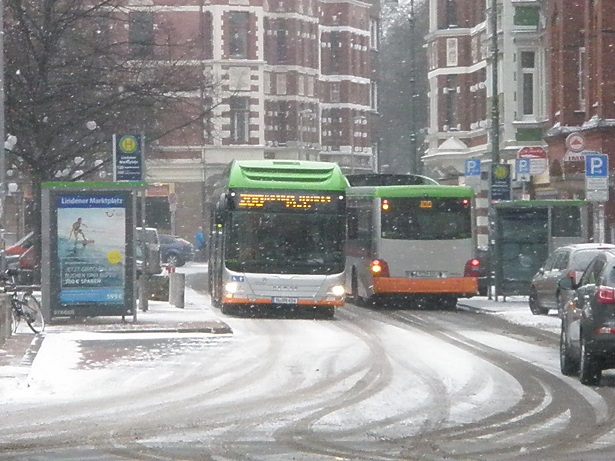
x=74 y=75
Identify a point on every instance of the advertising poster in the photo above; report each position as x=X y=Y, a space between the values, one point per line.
x=91 y=242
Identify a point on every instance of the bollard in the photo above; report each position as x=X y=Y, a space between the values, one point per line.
x=177 y=286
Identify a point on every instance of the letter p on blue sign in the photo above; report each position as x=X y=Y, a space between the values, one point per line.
x=596 y=166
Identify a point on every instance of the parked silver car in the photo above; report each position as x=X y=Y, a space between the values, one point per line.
x=567 y=261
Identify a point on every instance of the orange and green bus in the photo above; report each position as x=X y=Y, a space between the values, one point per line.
x=415 y=240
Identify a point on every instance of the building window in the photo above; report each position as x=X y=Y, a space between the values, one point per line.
x=238 y=34
x=582 y=78
x=451 y=13
x=240 y=120
x=208 y=36
x=336 y=52
x=280 y=83
x=282 y=122
x=300 y=85
x=335 y=92
x=141 y=34
x=451 y=102
x=208 y=124
x=528 y=80
x=451 y=52
x=281 y=43
x=336 y=129
x=373 y=95
x=526 y=16
x=374 y=34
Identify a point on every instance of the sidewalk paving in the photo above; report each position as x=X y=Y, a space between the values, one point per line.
x=196 y=316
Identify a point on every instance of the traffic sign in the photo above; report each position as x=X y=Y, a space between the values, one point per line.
x=597 y=166
x=596 y=178
x=128 y=159
x=522 y=168
x=537 y=156
x=500 y=182
x=575 y=142
x=472 y=172
x=532 y=152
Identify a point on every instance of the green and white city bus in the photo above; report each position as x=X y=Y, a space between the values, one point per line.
x=278 y=236
x=415 y=240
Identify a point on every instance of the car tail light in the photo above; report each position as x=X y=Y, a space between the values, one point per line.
x=605 y=295
x=472 y=268
x=380 y=268
x=605 y=331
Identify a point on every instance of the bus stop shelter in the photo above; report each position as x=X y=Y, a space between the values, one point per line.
x=526 y=232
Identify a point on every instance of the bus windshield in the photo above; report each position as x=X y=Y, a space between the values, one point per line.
x=285 y=243
x=426 y=219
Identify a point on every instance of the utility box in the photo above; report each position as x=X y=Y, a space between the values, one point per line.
x=526 y=232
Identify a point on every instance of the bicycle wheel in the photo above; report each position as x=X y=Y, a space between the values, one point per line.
x=16 y=312
x=33 y=313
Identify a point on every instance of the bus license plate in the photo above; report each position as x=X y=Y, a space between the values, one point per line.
x=426 y=274
x=284 y=300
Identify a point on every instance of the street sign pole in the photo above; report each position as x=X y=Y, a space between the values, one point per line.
x=597 y=190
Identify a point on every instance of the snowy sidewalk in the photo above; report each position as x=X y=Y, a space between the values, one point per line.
x=516 y=310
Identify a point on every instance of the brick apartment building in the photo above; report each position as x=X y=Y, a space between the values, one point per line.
x=581 y=87
x=295 y=79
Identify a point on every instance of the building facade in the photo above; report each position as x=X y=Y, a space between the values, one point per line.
x=462 y=47
x=581 y=86
x=289 y=80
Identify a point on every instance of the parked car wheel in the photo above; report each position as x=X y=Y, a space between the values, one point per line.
x=589 y=369
x=535 y=306
x=174 y=260
x=567 y=363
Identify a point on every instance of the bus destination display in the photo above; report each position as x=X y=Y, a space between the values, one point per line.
x=286 y=200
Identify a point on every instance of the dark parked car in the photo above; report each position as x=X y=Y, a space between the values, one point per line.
x=175 y=251
x=569 y=260
x=587 y=340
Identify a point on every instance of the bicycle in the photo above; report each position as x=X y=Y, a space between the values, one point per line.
x=24 y=305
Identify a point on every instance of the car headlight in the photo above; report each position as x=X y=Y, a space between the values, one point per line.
x=338 y=290
x=231 y=287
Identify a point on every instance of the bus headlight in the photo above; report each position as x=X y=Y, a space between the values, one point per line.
x=231 y=287
x=337 y=290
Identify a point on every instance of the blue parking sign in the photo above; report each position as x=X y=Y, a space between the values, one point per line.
x=523 y=166
x=596 y=166
x=472 y=167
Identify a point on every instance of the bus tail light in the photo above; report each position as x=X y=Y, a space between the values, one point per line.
x=472 y=268
x=380 y=268
x=605 y=295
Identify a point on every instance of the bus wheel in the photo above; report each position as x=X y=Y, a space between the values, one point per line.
x=326 y=312
x=449 y=302
x=227 y=309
